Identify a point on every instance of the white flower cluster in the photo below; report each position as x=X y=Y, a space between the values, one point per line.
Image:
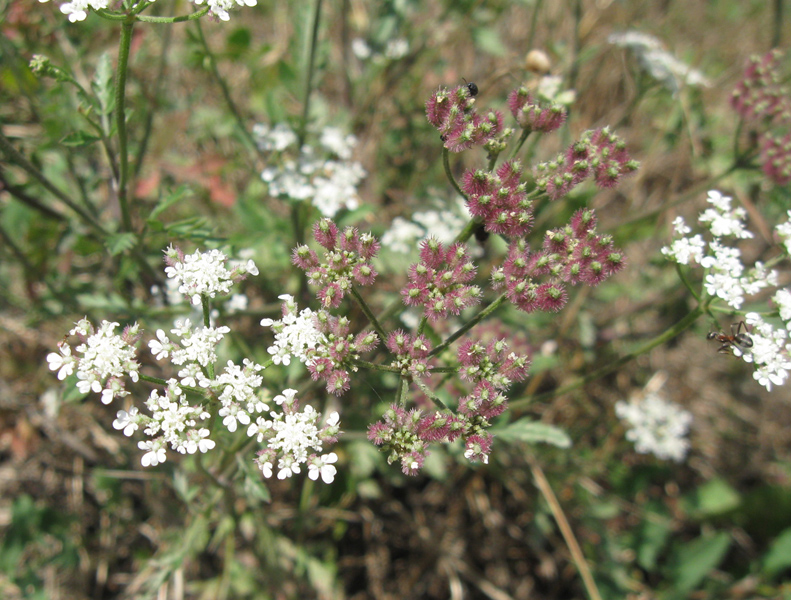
x=405 y=235
x=293 y=438
x=173 y=421
x=197 y=345
x=295 y=333
x=656 y=426
x=204 y=273
x=220 y=8
x=394 y=49
x=658 y=62
x=177 y=413
x=327 y=177
x=727 y=278
x=106 y=359
x=771 y=350
x=77 y=10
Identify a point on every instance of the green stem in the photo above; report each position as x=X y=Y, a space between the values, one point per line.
x=226 y=94
x=425 y=389
x=533 y=24
x=369 y=314
x=120 y=120
x=163 y=382
x=469 y=325
x=662 y=338
x=446 y=164
x=303 y=125
x=180 y=19
x=522 y=138
x=151 y=109
x=374 y=367
x=468 y=230
x=17 y=158
x=206 y=305
x=683 y=277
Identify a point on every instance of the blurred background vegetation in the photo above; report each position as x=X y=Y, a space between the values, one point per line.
x=81 y=519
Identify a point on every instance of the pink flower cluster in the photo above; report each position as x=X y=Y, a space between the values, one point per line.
x=577 y=254
x=459 y=124
x=572 y=254
x=760 y=93
x=761 y=98
x=347 y=260
x=531 y=115
x=333 y=360
x=439 y=281
x=500 y=199
x=600 y=153
x=408 y=435
x=411 y=352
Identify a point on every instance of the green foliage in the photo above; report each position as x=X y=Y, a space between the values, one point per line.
x=533 y=432
x=37 y=536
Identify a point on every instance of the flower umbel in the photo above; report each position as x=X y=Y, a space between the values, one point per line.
x=106 y=359
x=347 y=259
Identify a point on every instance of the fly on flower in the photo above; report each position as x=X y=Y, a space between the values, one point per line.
x=737 y=340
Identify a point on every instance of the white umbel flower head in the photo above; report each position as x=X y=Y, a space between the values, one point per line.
x=294 y=438
x=204 y=273
x=656 y=426
x=295 y=333
x=106 y=359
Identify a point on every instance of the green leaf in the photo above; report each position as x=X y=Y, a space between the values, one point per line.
x=169 y=199
x=697 y=558
x=118 y=243
x=102 y=84
x=714 y=498
x=532 y=432
x=79 y=139
x=778 y=558
x=653 y=535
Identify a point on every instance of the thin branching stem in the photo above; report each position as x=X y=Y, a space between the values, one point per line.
x=430 y=394
x=120 y=121
x=446 y=164
x=369 y=314
x=241 y=122
x=521 y=141
x=314 y=38
x=17 y=158
x=469 y=325
x=662 y=338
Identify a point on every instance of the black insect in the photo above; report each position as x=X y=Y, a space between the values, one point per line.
x=473 y=88
x=738 y=338
x=481 y=235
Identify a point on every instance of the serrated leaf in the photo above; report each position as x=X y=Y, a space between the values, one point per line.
x=117 y=243
x=532 y=432
x=697 y=558
x=171 y=198
x=102 y=84
x=778 y=558
x=79 y=139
